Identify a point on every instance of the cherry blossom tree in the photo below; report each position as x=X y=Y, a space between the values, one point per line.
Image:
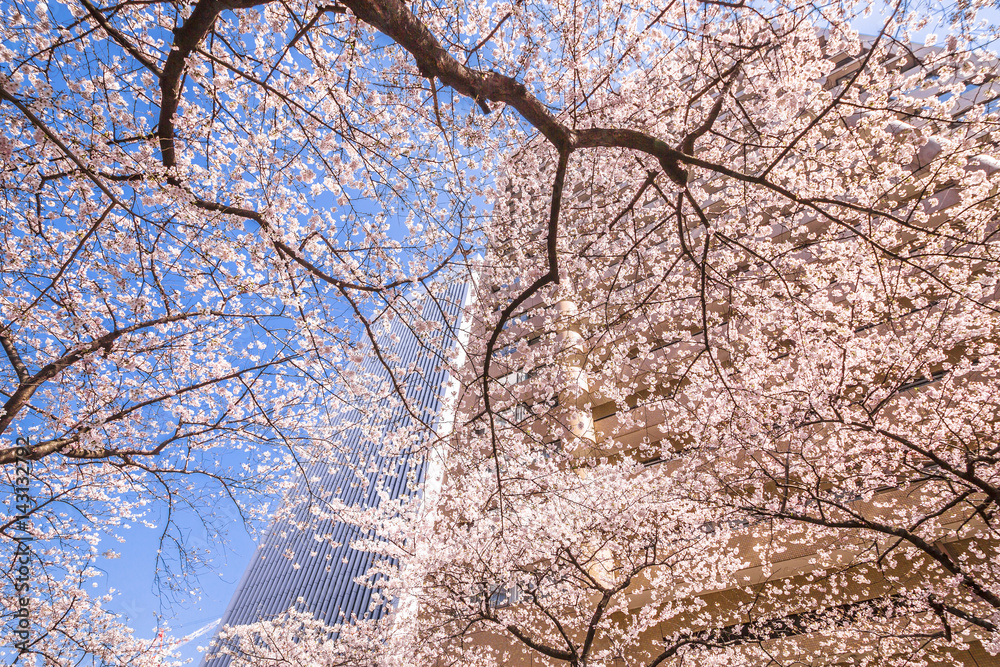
x=742 y=411
x=727 y=391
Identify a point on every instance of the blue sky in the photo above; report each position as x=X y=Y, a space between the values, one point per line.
x=147 y=608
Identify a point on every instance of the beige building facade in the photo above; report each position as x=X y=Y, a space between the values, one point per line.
x=805 y=478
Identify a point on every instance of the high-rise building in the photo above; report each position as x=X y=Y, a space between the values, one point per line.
x=309 y=564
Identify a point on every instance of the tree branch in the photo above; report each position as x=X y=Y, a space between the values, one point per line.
x=186 y=39
x=120 y=38
x=28 y=387
x=12 y=354
x=552 y=276
x=394 y=19
x=297 y=257
x=879 y=609
x=541 y=648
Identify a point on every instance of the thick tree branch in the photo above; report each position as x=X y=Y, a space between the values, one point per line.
x=394 y=18
x=967 y=475
x=860 y=523
x=12 y=354
x=186 y=39
x=525 y=639
x=687 y=145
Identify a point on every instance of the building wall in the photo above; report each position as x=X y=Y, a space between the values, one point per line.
x=612 y=418
x=291 y=568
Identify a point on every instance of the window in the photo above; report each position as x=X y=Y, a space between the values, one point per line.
x=549 y=449
x=922 y=381
x=513 y=415
x=513 y=378
x=498 y=596
x=520 y=411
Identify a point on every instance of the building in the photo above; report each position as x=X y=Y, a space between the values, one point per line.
x=308 y=563
x=739 y=457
